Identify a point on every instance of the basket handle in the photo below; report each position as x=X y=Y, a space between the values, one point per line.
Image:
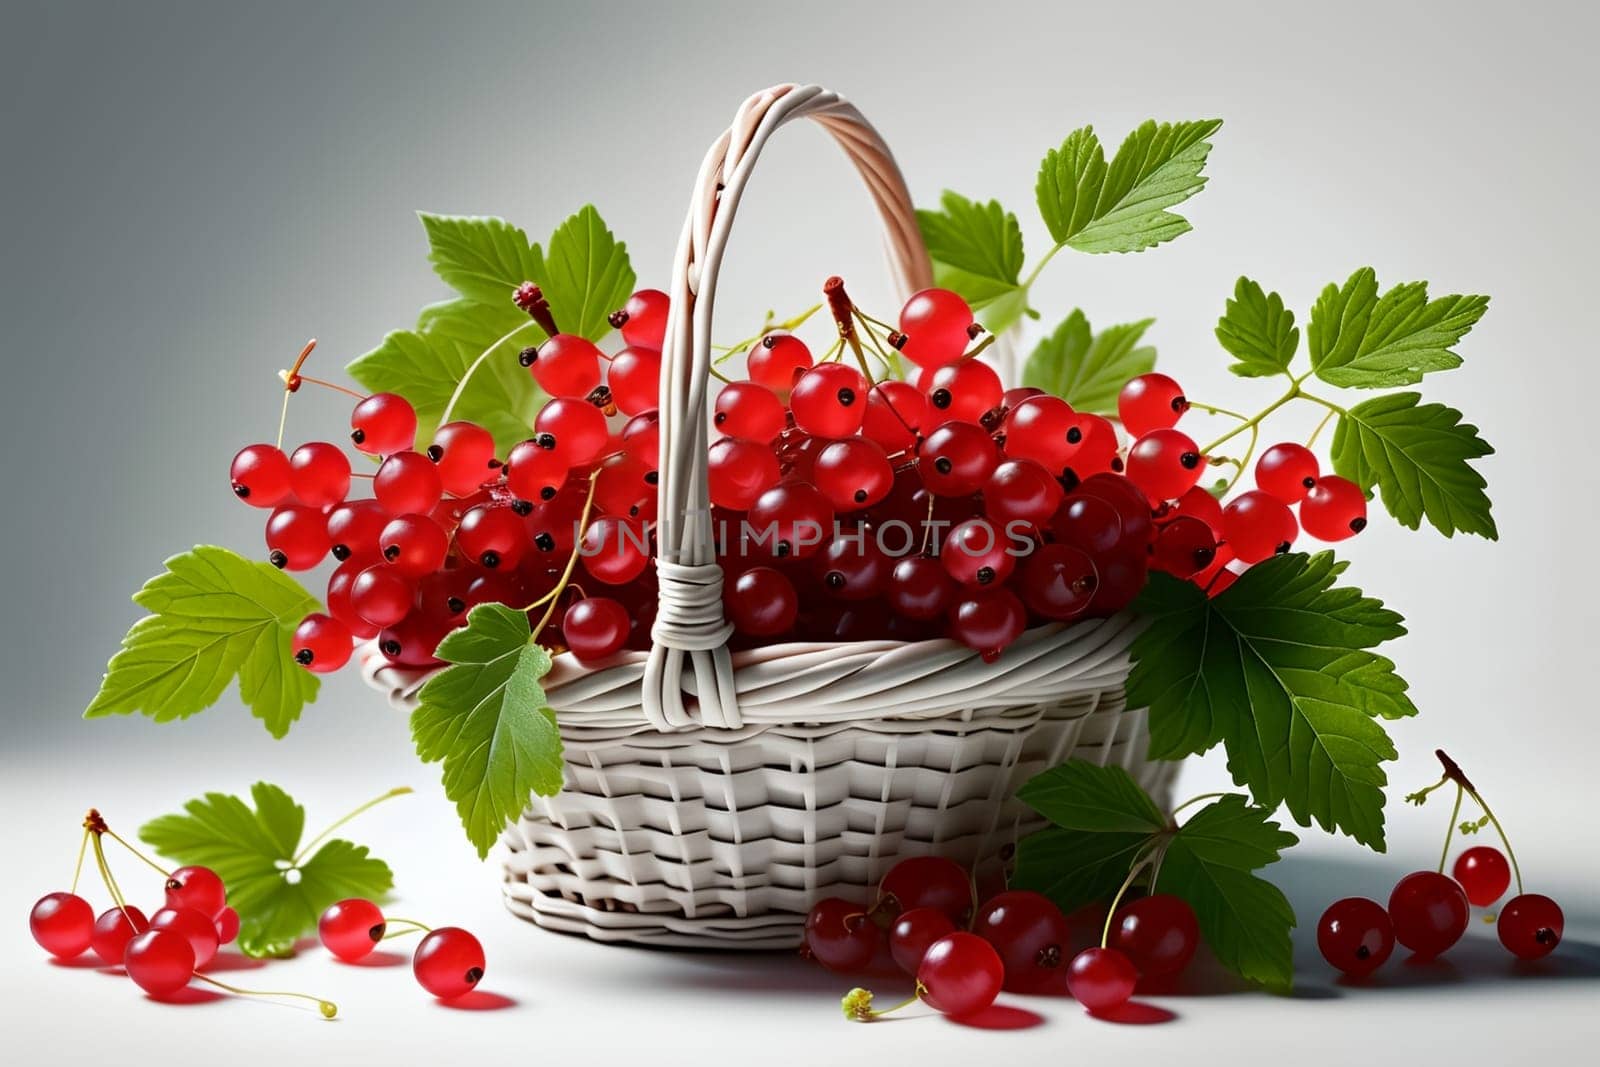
x=690 y=632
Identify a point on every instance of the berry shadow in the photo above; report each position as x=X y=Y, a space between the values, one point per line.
x=188 y=996
x=1001 y=1017
x=86 y=962
x=223 y=962
x=376 y=959
x=1136 y=1013
x=479 y=1000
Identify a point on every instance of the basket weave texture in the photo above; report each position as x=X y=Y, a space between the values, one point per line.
x=711 y=798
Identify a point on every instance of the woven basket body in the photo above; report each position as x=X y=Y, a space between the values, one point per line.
x=711 y=798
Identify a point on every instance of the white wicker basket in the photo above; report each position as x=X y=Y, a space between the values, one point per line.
x=711 y=798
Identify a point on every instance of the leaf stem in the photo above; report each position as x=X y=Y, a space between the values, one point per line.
x=374 y=802
x=472 y=368
x=572 y=560
x=1318 y=431
x=1251 y=423
x=1033 y=275
x=1195 y=800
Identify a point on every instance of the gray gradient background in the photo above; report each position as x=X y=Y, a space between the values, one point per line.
x=191 y=190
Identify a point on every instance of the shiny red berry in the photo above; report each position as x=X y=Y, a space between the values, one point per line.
x=1429 y=912
x=1150 y=402
x=960 y=974
x=1258 y=525
x=1334 y=509
x=936 y=324
x=1158 y=933
x=1355 y=935
x=383 y=423
x=260 y=475
x=1483 y=873
x=565 y=365
x=1288 y=471
x=1530 y=926
x=1101 y=979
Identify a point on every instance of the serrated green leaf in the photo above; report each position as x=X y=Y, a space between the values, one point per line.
x=587 y=275
x=1079 y=795
x=1258 y=331
x=1086 y=369
x=214 y=616
x=1361 y=340
x=481 y=257
x=1123 y=207
x=1277 y=669
x=1245 y=919
x=487 y=718
x=1075 y=867
x=254 y=852
x=1418 y=457
x=426 y=364
x=977 y=251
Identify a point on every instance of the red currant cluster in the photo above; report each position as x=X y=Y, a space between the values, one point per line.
x=448 y=961
x=162 y=953
x=1428 y=911
x=927 y=923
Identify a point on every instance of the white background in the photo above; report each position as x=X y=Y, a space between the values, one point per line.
x=192 y=192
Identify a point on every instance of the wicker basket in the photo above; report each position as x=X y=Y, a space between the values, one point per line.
x=711 y=798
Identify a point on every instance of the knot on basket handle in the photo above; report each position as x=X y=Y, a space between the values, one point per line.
x=690 y=632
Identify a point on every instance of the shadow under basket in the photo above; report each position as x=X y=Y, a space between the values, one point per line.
x=724 y=838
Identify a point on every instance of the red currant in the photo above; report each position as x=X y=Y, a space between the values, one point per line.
x=297 y=537
x=960 y=974
x=1197 y=503
x=261 y=477
x=977 y=554
x=1037 y=429
x=114 y=929
x=197 y=929
x=1288 y=471
x=1031 y=935
x=1429 y=912
x=988 y=620
x=840 y=936
x=1101 y=979
x=745 y=409
x=353 y=529
x=383 y=423
x=1150 y=402
x=641 y=436
x=319 y=474
x=853 y=474
x=578 y=427
x=794 y=519
x=412 y=641
x=535 y=472
x=1158 y=934
x=1335 y=509
x=1132 y=505
x=382 y=595
x=965 y=390
x=1355 y=935
x=616 y=550
x=351 y=929
x=1021 y=491
x=1530 y=926
x=829 y=400
x=928 y=882
x=322 y=643
x=777 y=360
x=1165 y=464
x=406 y=483
x=565 y=365
x=160 y=962
x=448 y=962
x=1059 y=581
x=1088 y=523
x=1257 y=525
x=227 y=926
x=200 y=888
x=635 y=380
x=913 y=932
x=643 y=319
x=739 y=471
x=1183 y=548
x=462 y=451
x=957 y=459
x=936 y=324
x=595 y=627
x=414 y=545
x=853 y=567
x=62 y=924
x=920 y=588
x=626 y=486
x=896 y=412
x=1091 y=446
x=1120 y=577
x=761 y=602
x=1483 y=873
x=492 y=536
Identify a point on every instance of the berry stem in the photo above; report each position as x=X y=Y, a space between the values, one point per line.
x=1504 y=840
x=843 y=310
x=729 y=351
x=572 y=560
x=291 y=382
x=1318 y=431
x=1454 y=773
x=110 y=881
x=328 y=1008
x=77 y=870
x=1139 y=864
x=335 y=386
x=1253 y=422
x=857 y=1004
x=412 y=927
x=472 y=368
x=1450 y=831
x=398 y=791
x=1212 y=409
x=162 y=871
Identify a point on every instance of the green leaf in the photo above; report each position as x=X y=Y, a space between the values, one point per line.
x=214 y=616
x=1361 y=340
x=1123 y=207
x=1080 y=795
x=1418 y=456
x=587 y=275
x=1075 y=867
x=426 y=364
x=278 y=898
x=977 y=252
x=1086 y=369
x=1277 y=669
x=482 y=258
x=1244 y=919
x=487 y=718
x=1258 y=331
